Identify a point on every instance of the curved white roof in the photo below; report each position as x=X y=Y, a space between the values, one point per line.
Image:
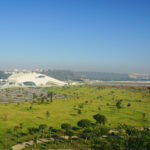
x=18 y=79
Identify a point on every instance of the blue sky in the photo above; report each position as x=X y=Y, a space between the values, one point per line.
x=87 y=35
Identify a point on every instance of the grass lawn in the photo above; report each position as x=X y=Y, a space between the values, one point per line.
x=90 y=100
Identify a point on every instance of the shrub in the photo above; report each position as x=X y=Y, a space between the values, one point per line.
x=66 y=126
x=101 y=119
x=84 y=123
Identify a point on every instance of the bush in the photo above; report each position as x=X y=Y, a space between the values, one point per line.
x=66 y=126
x=101 y=119
x=84 y=123
x=128 y=104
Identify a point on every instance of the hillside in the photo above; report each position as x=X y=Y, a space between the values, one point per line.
x=80 y=103
x=105 y=76
x=63 y=75
x=66 y=75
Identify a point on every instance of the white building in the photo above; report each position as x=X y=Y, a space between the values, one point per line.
x=32 y=79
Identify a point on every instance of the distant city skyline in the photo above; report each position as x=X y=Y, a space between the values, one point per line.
x=78 y=35
x=67 y=69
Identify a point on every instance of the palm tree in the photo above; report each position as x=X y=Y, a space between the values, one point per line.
x=50 y=130
x=35 y=141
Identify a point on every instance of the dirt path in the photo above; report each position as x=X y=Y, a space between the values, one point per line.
x=44 y=140
x=30 y=143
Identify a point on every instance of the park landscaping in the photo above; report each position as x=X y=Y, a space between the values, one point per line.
x=124 y=114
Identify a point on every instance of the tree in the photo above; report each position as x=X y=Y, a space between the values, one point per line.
x=87 y=134
x=47 y=114
x=35 y=140
x=16 y=129
x=99 y=108
x=102 y=144
x=42 y=101
x=41 y=95
x=69 y=133
x=143 y=115
x=30 y=130
x=50 y=130
x=66 y=126
x=79 y=111
x=50 y=95
x=34 y=96
x=84 y=123
x=115 y=143
x=30 y=107
x=135 y=143
x=128 y=104
x=42 y=127
x=21 y=126
x=101 y=119
x=118 y=104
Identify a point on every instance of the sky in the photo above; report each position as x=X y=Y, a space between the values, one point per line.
x=78 y=35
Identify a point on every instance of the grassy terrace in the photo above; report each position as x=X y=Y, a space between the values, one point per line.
x=135 y=106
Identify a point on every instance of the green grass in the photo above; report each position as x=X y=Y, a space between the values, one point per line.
x=62 y=110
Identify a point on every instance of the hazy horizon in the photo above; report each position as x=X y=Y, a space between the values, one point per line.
x=67 y=69
x=79 y=35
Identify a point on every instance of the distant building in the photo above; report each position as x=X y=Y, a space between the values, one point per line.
x=139 y=76
x=31 y=79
